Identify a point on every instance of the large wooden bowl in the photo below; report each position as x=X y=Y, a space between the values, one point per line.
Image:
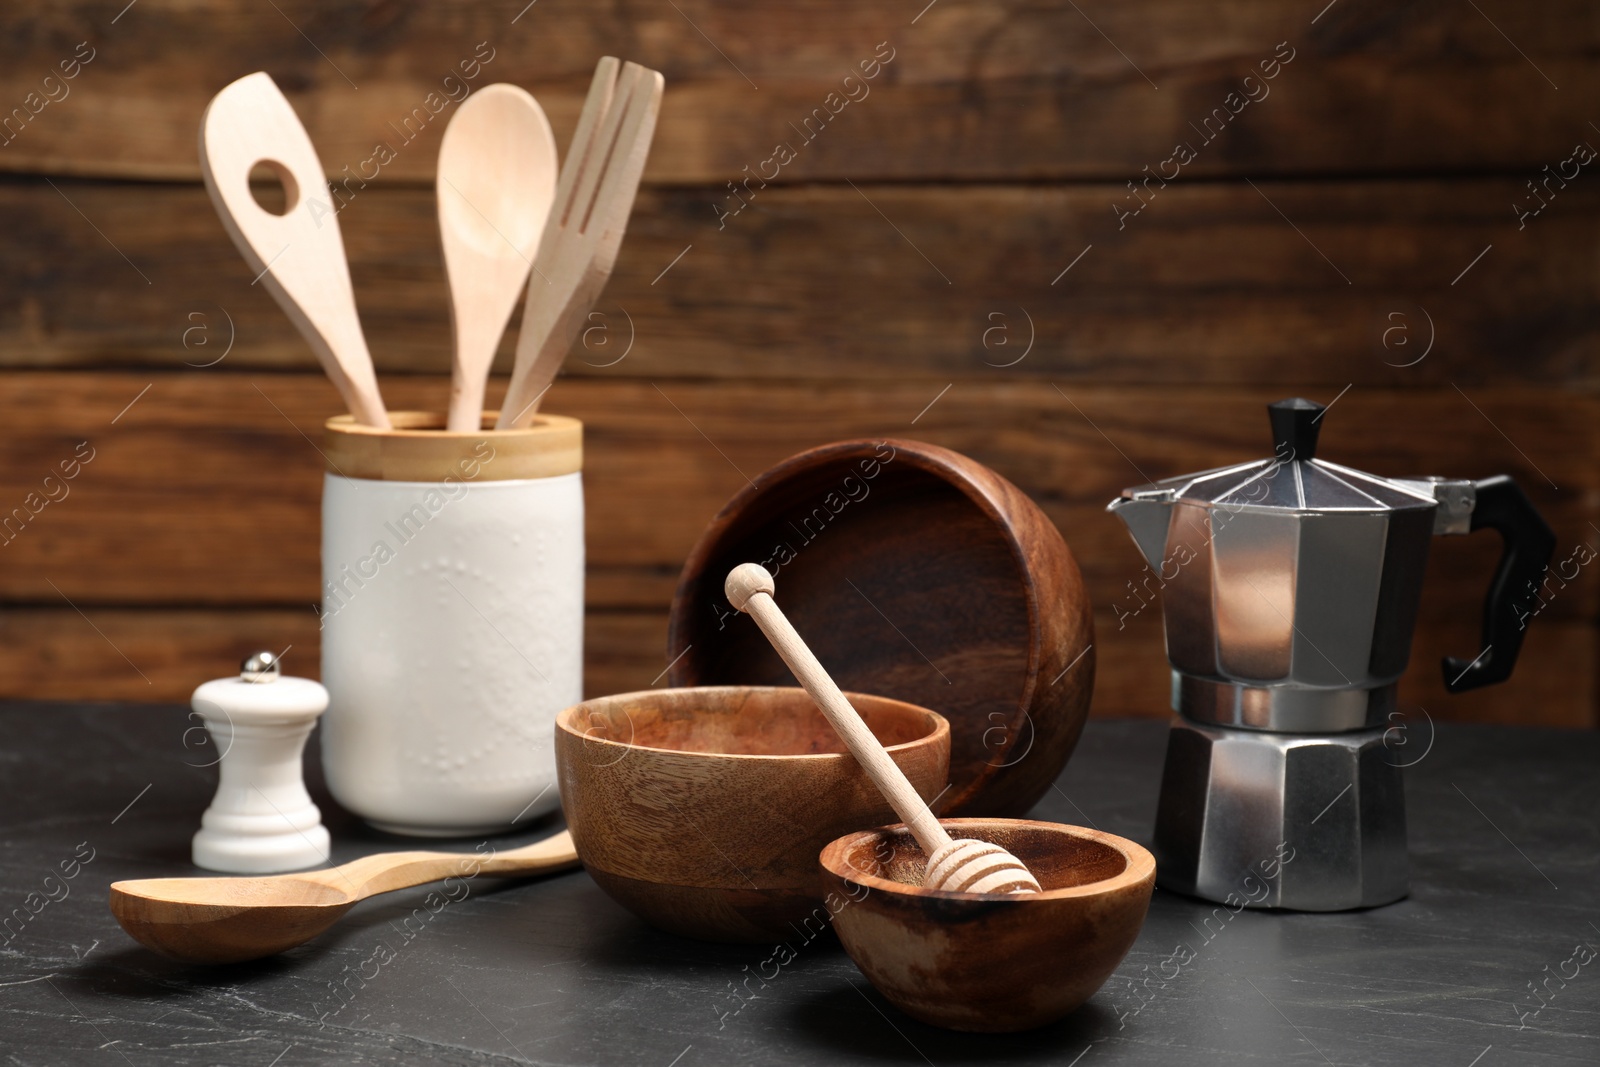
x=703 y=810
x=917 y=573
x=978 y=961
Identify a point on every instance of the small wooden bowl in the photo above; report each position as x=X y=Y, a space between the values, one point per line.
x=914 y=572
x=984 y=962
x=702 y=810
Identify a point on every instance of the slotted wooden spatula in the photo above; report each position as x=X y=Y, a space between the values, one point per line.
x=298 y=255
x=579 y=247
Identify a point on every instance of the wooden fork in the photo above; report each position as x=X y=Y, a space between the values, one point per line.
x=584 y=231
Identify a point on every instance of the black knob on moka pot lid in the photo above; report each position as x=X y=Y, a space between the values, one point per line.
x=1295 y=425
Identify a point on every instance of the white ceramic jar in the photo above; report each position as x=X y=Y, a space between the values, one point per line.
x=452 y=619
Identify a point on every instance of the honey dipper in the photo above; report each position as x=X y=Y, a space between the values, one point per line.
x=962 y=866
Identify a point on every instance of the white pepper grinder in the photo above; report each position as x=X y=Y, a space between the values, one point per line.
x=262 y=820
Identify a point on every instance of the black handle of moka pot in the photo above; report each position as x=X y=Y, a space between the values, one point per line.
x=1529 y=542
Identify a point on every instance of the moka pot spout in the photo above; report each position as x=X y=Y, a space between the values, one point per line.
x=1146 y=514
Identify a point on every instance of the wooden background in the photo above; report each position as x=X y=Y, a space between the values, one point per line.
x=1353 y=235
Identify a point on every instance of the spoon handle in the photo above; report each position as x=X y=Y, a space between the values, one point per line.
x=388 y=871
x=749 y=588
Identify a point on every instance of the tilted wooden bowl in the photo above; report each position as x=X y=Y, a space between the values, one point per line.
x=990 y=962
x=703 y=810
x=917 y=573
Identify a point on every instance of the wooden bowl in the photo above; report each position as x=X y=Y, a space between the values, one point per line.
x=983 y=962
x=917 y=573
x=702 y=810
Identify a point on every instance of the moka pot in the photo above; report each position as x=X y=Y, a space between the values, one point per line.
x=1290 y=589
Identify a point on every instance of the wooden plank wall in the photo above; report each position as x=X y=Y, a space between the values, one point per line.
x=1072 y=241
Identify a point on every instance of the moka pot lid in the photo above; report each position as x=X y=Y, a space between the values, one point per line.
x=1293 y=479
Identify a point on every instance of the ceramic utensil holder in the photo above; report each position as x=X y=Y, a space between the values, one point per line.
x=452 y=619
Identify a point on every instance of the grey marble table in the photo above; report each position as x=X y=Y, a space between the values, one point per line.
x=1505 y=831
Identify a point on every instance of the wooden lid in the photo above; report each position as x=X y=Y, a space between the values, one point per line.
x=419 y=449
x=915 y=573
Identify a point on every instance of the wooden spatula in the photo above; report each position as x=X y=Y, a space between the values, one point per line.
x=229 y=920
x=579 y=247
x=298 y=255
x=497 y=180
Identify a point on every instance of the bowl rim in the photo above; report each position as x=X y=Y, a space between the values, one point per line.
x=941 y=725
x=1141 y=865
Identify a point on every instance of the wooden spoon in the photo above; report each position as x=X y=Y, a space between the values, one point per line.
x=497 y=179
x=581 y=238
x=229 y=920
x=959 y=865
x=297 y=256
